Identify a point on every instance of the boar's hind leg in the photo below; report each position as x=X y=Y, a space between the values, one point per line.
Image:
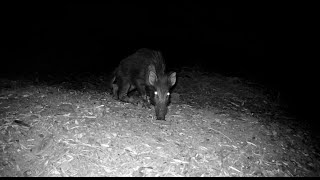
x=115 y=91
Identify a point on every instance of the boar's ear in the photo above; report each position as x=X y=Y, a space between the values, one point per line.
x=152 y=77
x=172 y=78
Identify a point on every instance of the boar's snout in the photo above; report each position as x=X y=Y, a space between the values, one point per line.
x=161 y=111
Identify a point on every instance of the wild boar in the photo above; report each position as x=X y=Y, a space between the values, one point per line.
x=145 y=71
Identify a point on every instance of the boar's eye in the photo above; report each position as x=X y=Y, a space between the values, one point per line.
x=155 y=93
x=168 y=94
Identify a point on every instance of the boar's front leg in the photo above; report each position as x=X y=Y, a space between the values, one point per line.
x=123 y=86
x=142 y=90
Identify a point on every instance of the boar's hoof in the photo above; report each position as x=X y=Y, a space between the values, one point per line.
x=146 y=104
x=126 y=99
x=115 y=97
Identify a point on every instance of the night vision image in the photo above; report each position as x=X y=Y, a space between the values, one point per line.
x=157 y=89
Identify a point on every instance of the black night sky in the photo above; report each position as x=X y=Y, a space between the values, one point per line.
x=246 y=41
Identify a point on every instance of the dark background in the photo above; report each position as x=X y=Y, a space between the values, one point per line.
x=263 y=42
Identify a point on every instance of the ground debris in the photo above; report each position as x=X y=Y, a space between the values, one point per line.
x=54 y=131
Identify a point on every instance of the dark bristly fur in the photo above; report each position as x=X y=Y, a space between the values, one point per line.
x=144 y=71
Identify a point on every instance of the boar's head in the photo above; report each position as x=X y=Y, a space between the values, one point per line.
x=159 y=85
